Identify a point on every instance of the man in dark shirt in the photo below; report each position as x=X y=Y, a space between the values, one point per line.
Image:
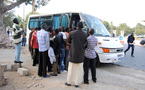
x=130 y=43
x=58 y=40
x=77 y=40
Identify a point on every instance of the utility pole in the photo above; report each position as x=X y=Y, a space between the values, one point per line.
x=24 y=17
x=32 y=6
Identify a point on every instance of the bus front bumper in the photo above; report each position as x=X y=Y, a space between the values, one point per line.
x=111 y=57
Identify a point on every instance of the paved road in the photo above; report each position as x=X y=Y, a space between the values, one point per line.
x=137 y=62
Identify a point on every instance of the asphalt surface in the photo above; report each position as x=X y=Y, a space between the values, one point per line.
x=136 y=62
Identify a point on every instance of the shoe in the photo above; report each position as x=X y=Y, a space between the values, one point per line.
x=132 y=56
x=94 y=80
x=64 y=71
x=67 y=84
x=58 y=72
x=18 y=62
x=76 y=86
x=46 y=76
x=125 y=53
x=34 y=65
x=53 y=74
x=40 y=75
x=86 y=83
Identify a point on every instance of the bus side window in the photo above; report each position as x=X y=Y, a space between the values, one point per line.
x=34 y=22
x=56 y=21
x=47 y=20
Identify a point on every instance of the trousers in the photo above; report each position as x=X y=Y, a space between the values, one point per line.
x=132 y=51
x=43 y=57
x=92 y=64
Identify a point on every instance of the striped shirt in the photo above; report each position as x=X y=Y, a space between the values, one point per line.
x=16 y=34
x=90 y=50
x=43 y=40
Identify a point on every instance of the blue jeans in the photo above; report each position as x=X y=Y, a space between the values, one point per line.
x=62 y=56
x=66 y=57
x=17 y=51
x=132 y=51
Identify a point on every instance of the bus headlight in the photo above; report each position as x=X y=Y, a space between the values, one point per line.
x=112 y=50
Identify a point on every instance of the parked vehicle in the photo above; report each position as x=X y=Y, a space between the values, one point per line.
x=108 y=50
x=142 y=42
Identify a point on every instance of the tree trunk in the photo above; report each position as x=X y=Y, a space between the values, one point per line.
x=2 y=81
x=4 y=40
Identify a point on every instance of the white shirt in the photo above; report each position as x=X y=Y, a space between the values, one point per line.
x=51 y=55
x=64 y=35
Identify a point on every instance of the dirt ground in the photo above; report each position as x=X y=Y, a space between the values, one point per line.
x=109 y=76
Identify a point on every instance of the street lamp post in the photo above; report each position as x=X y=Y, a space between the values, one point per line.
x=24 y=16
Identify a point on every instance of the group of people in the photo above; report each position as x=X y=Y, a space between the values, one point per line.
x=61 y=50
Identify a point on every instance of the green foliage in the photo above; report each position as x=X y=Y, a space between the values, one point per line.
x=123 y=27
x=106 y=25
x=8 y=18
x=26 y=21
x=37 y=3
x=140 y=29
x=112 y=26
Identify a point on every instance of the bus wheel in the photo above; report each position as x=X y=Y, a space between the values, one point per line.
x=97 y=61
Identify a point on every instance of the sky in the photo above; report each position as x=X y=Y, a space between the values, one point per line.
x=130 y=12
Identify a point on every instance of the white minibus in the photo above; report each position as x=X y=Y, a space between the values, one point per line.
x=108 y=50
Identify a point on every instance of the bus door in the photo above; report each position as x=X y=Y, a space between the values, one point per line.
x=64 y=20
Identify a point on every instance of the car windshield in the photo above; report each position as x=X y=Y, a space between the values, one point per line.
x=96 y=24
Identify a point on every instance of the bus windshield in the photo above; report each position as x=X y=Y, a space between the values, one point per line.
x=96 y=24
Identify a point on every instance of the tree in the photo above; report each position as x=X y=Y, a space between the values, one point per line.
x=8 y=17
x=28 y=16
x=4 y=8
x=140 y=29
x=107 y=25
x=112 y=26
x=123 y=27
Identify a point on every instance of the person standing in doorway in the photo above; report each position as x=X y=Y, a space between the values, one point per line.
x=16 y=34
x=77 y=40
x=43 y=42
x=130 y=44
x=90 y=56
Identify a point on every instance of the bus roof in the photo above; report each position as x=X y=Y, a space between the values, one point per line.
x=35 y=15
